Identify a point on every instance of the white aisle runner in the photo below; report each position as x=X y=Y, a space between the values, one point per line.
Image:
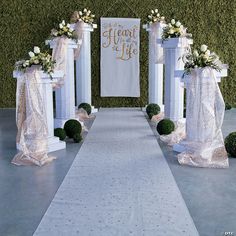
x=119 y=184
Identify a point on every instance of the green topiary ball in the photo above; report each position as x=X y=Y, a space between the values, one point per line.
x=165 y=126
x=227 y=106
x=230 y=144
x=60 y=133
x=72 y=127
x=87 y=107
x=152 y=109
x=77 y=138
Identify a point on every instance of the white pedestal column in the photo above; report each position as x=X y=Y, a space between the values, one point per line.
x=83 y=69
x=174 y=89
x=54 y=143
x=65 y=96
x=179 y=73
x=155 y=70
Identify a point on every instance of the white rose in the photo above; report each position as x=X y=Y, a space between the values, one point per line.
x=162 y=18
x=152 y=11
x=89 y=12
x=171 y=31
x=178 y=24
x=172 y=21
x=208 y=53
x=85 y=10
x=31 y=54
x=150 y=17
x=36 y=61
x=27 y=62
x=203 y=48
x=170 y=25
x=92 y=16
x=61 y=26
x=158 y=15
x=156 y=10
x=68 y=25
x=63 y=22
x=80 y=13
x=36 y=50
x=195 y=53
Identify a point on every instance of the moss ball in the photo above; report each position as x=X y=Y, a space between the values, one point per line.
x=87 y=107
x=60 y=133
x=72 y=127
x=230 y=144
x=165 y=127
x=227 y=106
x=152 y=109
x=77 y=138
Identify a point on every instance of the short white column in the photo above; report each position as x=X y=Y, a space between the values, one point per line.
x=179 y=73
x=155 y=70
x=54 y=143
x=83 y=68
x=65 y=96
x=174 y=49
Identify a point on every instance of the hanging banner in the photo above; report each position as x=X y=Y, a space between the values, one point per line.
x=120 y=57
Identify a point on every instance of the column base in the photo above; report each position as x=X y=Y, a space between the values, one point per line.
x=59 y=123
x=179 y=148
x=54 y=144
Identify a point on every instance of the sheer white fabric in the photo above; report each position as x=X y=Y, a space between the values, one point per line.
x=79 y=30
x=204 y=143
x=31 y=121
x=176 y=136
x=59 y=54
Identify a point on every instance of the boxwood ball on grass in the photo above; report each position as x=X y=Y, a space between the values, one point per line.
x=87 y=107
x=230 y=144
x=165 y=126
x=60 y=133
x=77 y=138
x=72 y=127
x=152 y=109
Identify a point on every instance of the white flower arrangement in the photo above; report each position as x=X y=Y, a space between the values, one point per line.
x=64 y=29
x=155 y=17
x=36 y=57
x=201 y=58
x=86 y=16
x=175 y=30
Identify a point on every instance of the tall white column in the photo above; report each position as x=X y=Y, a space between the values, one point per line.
x=174 y=49
x=155 y=73
x=65 y=96
x=54 y=143
x=83 y=68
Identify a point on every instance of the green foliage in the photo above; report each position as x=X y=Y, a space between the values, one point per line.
x=87 y=107
x=60 y=133
x=77 y=138
x=227 y=106
x=72 y=127
x=165 y=126
x=26 y=23
x=230 y=144
x=152 y=109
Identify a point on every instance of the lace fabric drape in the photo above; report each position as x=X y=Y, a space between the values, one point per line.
x=31 y=121
x=204 y=143
x=59 y=54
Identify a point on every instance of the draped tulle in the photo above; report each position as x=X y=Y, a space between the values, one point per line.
x=79 y=30
x=204 y=143
x=59 y=54
x=31 y=121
